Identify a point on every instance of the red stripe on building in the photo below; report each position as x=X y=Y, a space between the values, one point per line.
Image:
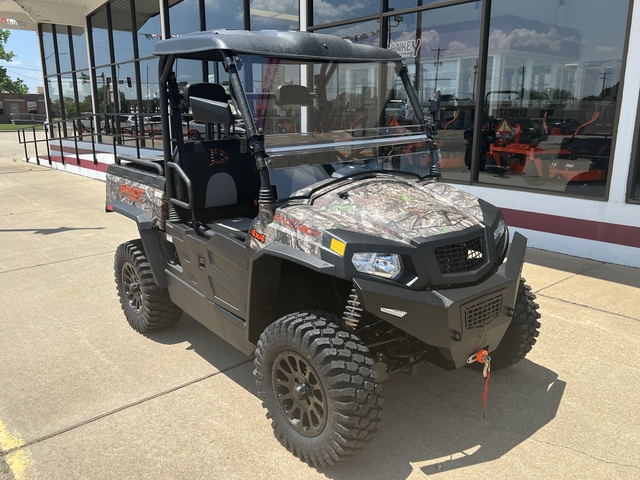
x=573 y=227
x=88 y=164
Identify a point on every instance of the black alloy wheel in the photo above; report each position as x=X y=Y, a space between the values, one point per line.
x=300 y=393
x=146 y=306
x=318 y=386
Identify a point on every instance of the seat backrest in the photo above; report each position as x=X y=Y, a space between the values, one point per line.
x=210 y=91
x=220 y=173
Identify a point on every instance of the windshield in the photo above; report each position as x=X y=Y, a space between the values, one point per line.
x=345 y=117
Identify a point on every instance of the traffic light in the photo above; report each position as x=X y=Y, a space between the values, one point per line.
x=129 y=82
x=85 y=78
x=108 y=80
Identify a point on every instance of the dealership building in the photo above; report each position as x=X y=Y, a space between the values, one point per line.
x=551 y=85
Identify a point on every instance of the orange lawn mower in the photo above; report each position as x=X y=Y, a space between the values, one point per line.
x=578 y=159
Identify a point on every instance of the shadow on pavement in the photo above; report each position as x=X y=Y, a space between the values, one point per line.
x=47 y=231
x=432 y=421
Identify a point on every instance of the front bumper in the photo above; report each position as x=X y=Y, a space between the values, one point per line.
x=458 y=321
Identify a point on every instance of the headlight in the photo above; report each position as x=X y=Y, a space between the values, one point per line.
x=499 y=231
x=387 y=265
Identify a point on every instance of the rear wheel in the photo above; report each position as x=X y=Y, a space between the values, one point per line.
x=146 y=306
x=318 y=387
x=521 y=333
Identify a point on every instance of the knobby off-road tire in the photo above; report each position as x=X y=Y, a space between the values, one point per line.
x=318 y=387
x=146 y=306
x=521 y=333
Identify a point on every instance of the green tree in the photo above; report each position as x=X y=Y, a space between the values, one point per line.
x=16 y=87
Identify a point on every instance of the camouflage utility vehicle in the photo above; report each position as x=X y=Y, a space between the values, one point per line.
x=318 y=234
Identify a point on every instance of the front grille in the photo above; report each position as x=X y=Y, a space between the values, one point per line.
x=460 y=257
x=481 y=314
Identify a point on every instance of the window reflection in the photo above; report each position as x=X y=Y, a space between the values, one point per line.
x=224 y=14
x=149 y=86
x=328 y=11
x=440 y=48
x=635 y=176
x=55 y=110
x=79 y=39
x=274 y=15
x=149 y=29
x=188 y=71
x=100 y=36
x=121 y=23
x=184 y=16
x=64 y=55
x=551 y=94
x=367 y=33
x=400 y=4
x=84 y=92
x=49 y=53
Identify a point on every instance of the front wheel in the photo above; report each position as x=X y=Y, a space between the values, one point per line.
x=521 y=333
x=146 y=306
x=318 y=387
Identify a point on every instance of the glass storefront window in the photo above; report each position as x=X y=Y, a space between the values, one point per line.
x=551 y=96
x=223 y=14
x=49 y=53
x=55 y=110
x=274 y=15
x=149 y=32
x=121 y=23
x=84 y=92
x=126 y=76
x=329 y=11
x=184 y=16
x=79 y=39
x=634 y=183
x=64 y=54
x=187 y=71
x=367 y=33
x=149 y=84
x=400 y=4
x=100 y=36
x=440 y=48
x=105 y=91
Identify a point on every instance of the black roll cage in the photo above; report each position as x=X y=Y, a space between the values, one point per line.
x=170 y=99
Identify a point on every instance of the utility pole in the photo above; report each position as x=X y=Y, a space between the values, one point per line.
x=604 y=79
x=437 y=63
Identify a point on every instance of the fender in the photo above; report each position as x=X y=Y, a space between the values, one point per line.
x=265 y=269
x=148 y=235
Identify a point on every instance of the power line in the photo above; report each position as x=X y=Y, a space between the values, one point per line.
x=21 y=68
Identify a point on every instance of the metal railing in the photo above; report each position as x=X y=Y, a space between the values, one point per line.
x=99 y=130
x=111 y=129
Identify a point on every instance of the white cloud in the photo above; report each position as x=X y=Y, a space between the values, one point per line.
x=602 y=48
x=325 y=12
x=529 y=39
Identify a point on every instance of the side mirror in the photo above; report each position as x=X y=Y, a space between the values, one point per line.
x=293 y=95
x=210 y=111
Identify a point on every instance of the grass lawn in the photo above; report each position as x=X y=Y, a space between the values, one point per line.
x=11 y=127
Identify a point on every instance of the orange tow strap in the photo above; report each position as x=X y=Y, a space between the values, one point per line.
x=483 y=357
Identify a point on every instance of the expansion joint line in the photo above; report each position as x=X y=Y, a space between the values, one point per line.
x=119 y=409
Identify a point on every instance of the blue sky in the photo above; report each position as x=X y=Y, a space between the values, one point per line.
x=26 y=63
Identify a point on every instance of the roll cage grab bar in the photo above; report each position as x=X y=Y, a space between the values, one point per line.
x=170 y=96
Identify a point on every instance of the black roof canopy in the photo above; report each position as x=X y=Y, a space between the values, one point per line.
x=304 y=46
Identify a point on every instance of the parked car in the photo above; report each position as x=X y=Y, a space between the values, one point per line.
x=129 y=124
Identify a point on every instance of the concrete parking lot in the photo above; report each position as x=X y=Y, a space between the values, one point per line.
x=83 y=396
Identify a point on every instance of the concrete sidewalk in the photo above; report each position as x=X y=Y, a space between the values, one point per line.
x=83 y=396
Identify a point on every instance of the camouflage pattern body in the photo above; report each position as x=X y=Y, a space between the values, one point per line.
x=386 y=206
x=150 y=199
